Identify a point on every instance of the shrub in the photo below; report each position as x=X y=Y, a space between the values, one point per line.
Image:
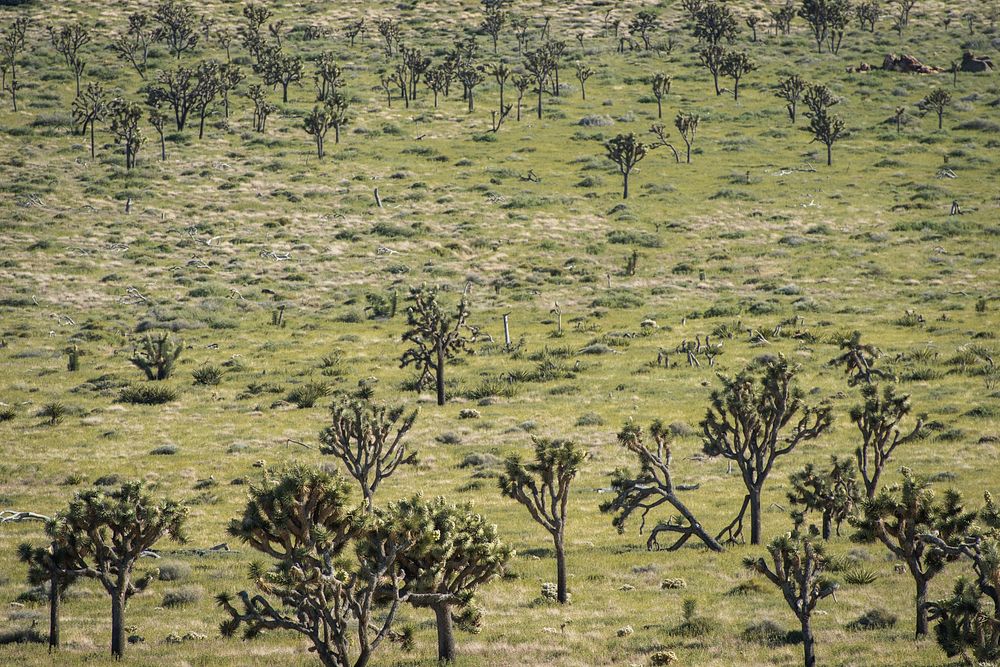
x=767 y=633
x=207 y=375
x=147 y=394
x=164 y=450
x=173 y=570
x=306 y=395
x=590 y=419
x=178 y=597
x=7 y=413
x=858 y=575
x=873 y=619
x=53 y=412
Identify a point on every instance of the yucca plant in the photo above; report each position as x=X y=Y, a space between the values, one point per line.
x=208 y=375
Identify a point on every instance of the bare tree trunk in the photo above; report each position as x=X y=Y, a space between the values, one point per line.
x=808 y=643
x=117 y=625
x=921 y=630
x=561 y=592
x=439 y=374
x=625 y=185
x=54 y=600
x=755 y=528
x=445 y=633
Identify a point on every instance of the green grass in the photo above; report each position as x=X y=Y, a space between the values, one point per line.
x=852 y=246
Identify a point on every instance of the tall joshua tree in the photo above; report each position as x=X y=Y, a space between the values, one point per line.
x=539 y=63
x=826 y=127
x=652 y=488
x=176 y=25
x=368 y=438
x=900 y=516
x=756 y=418
x=715 y=23
x=796 y=568
x=938 y=101
x=790 y=89
x=466 y=553
x=687 y=125
x=434 y=337
x=542 y=486
x=68 y=40
x=11 y=46
x=626 y=151
x=878 y=419
x=712 y=58
x=582 y=74
x=735 y=65
x=125 y=117
x=50 y=565
x=88 y=109
x=661 y=88
x=104 y=533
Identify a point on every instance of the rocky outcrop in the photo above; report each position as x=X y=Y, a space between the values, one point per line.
x=971 y=63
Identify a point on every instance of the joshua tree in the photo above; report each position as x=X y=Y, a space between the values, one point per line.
x=899 y=516
x=159 y=121
x=816 y=14
x=470 y=77
x=903 y=9
x=715 y=23
x=938 y=100
x=858 y=360
x=177 y=26
x=582 y=74
x=687 y=125
x=68 y=41
x=278 y=68
x=838 y=18
x=132 y=46
x=969 y=621
x=104 y=533
x=436 y=79
x=256 y=16
x=748 y=423
x=825 y=127
x=651 y=488
x=317 y=124
x=782 y=18
x=178 y=88
x=157 y=357
x=521 y=84
x=50 y=565
x=11 y=46
x=713 y=57
x=832 y=493
x=466 y=553
x=300 y=517
x=493 y=23
x=353 y=29
x=261 y=107
x=644 y=24
x=434 y=337
x=500 y=72
x=125 y=118
x=661 y=88
x=543 y=487
x=416 y=64
x=328 y=77
x=88 y=109
x=752 y=22
x=361 y=436
x=540 y=64
x=790 y=89
x=899 y=114
x=797 y=570
x=389 y=30
x=626 y=151
x=868 y=12
x=736 y=65
x=556 y=48
x=878 y=420
x=230 y=76
x=207 y=87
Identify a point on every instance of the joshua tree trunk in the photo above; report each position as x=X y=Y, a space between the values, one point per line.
x=755 y=528
x=319 y=147
x=829 y=155
x=659 y=108
x=163 y=149
x=539 y=100
x=940 y=119
x=54 y=600
x=284 y=93
x=921 y=630
x=445 y=633
x=736 y=90
x=808 y=643
x=561 y=592
x=439 y=373
x=625 y=185
x=715 y=79
x=92 y=139
x=471 y=103
x=117 y=625
x=827 y=525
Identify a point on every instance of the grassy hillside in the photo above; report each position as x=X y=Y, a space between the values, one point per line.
x=756 y=234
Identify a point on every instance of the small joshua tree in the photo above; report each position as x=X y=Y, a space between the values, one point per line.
x=132 y=46
x=712 y=58
x=521 y=85
x=644 y=24
x=466 y=553
x=816 y=14
x=540 y=63
x=331 y=114
x=493 y=23
x=715 y=23
x=661 y=88
x=125 y=118
x=179 y=89
x=328 y=76
x=157 y=356
x=542 y=486
x=88 y=109
x=796 y=568
x=500 y=72
x=11 y=46
x=748 y=423
x=752 y=22
x=868 y=13
x=899 y=516
x=790 y=89
x=968 y=622
x=878 y=420
x=826 y=128
x=470 y=77
x=104 y=533
x=206 y=89
x=389 y=30
x=229 y=77
x=361 y=436
x=687 y=125
x=858 y=360
x=262 y=108
x=626 y=151
x=938 y=101
x=300 y=517
x=68 y=41
x=833 y=493
x=735 y=65
x=280 y=69
x=434 y=337
x=158 y=120
x=50 y=565
x=651 y=488
x=177 y=26
x=582 y=74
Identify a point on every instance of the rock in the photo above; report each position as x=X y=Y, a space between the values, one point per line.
x=625 y=632
x=862 y=67
x=972 y=63
x=667 y=584
x=908 y=64
x=663 y=658
x=468 y=413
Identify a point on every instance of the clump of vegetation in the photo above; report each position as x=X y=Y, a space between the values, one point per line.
x=146 y=394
